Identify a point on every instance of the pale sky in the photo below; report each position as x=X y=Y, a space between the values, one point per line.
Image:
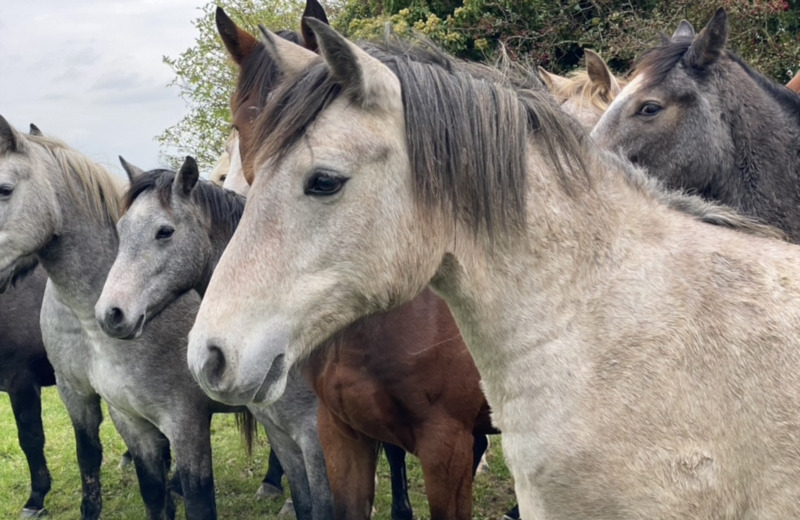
x=90 y=72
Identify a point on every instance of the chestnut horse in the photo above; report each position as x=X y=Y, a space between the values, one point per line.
x=403 y=377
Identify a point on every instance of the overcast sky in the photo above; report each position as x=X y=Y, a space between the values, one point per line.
x=90 y=72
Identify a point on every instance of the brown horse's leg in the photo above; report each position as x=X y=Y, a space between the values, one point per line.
x=446 y=459
x=351 y=460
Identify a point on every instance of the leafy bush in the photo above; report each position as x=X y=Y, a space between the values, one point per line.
x=553 y=34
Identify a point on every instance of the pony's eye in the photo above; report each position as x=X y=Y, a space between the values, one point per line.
x=6 y=190
x=649 y=108
x=164 y=232
x=324 y=184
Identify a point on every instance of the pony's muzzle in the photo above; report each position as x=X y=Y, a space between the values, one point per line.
x=116 y=324
x=235 y=371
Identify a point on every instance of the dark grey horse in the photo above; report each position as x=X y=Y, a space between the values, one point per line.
x=56 y=204
x=700 y=119
x=165 y=252
x=24 y=370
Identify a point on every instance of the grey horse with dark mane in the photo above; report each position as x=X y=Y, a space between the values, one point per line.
x=172 y=234
x=700 y=119
x=62 y=208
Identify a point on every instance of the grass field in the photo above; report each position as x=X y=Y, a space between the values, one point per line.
x=237 y=477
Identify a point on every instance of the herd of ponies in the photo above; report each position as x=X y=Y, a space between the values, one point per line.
x=402 y=252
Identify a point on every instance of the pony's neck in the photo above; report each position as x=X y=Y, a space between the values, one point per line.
x=765 y=136
x=548 y=275
x=79 y=258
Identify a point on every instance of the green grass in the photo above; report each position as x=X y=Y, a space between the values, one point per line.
x=237 y=477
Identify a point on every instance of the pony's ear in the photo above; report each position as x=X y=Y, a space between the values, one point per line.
x=186 y=178
x=313 y=10
x=289 y=57
x=131 y=170
x=707 y=47
x=34 y=130
x=10 y=139
x=684 y=30
x=363 y=79
x=239 y=42
x=553 y=82
x=600 y=74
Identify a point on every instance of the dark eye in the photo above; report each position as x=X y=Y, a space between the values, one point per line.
x=324 y=184
x=223 y=177
x=164 y=232
x=649 y=108
x=6 y=190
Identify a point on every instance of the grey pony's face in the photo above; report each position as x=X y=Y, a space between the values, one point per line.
x=163 y=252
x=672 y=123
x=28 y=207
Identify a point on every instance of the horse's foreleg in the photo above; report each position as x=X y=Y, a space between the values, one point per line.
x=479 y=447
x=351 y=460
x=192 y=446
x=271 y=486
x=314 y=461
x=446 y=458
x=291 y=457
x=86 y=416
x=401 y=505
x=149 y=449
x=26 y=402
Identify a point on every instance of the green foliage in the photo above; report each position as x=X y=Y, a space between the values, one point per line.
x=553 y=34
x=206 y=76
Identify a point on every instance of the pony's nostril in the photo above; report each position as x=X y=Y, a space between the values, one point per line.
x=214 y=366
x=115 y=316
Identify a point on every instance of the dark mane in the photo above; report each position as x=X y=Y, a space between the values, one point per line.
x=468 y=128
x=258 y=75
x=222 y=207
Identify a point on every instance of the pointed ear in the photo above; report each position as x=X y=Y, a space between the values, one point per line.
x=132 y=171
x=313 y=10
x=239 y=42
x=684 y=30
x=600 y=74
x=34 y=130
x=553 y=82
x=364 y=79
x=709 y=44
x=186 y=178
x=10 y=139
x=289 y=57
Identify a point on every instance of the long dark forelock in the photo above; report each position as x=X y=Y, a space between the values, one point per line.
x=467 y=129
x=222 y=207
